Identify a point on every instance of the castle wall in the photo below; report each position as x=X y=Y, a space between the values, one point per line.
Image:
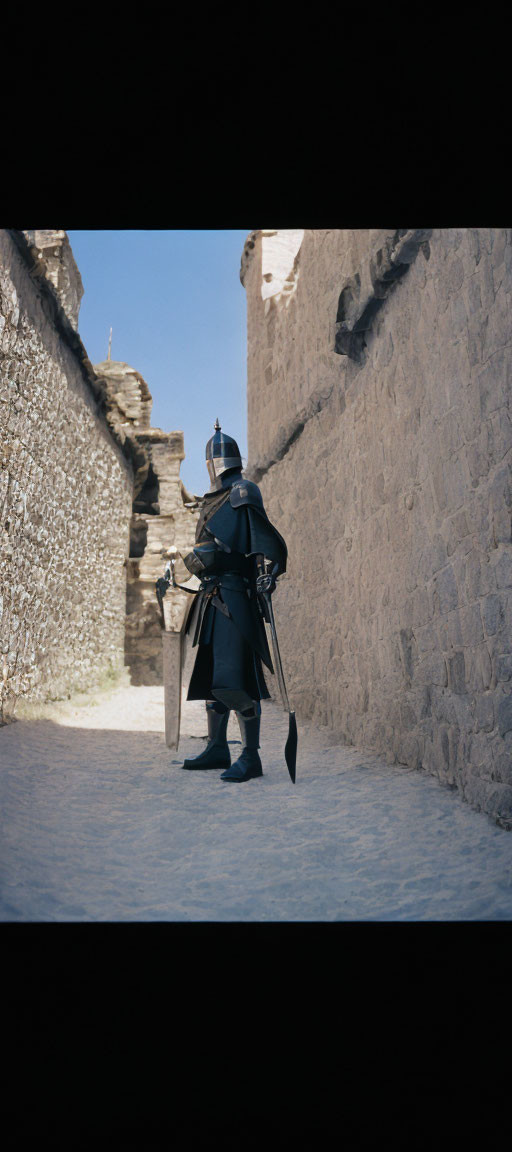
x=379 y=431
x=65 y=501
x=160 y=517
x=152 y=536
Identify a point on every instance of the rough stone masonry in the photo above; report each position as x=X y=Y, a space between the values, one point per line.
x=379 y=384
x=164 y=514
x=66 y=486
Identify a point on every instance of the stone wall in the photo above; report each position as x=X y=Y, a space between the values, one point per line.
x=65 y=488
x=153 y=533
x=160 y=517
x=53 y=257
x=379 y=380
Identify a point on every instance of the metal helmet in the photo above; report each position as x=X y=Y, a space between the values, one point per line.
x=222 y=453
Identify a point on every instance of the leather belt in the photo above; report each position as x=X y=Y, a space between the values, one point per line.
x=233 y=580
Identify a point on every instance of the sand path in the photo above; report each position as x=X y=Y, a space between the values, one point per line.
x=99 y=823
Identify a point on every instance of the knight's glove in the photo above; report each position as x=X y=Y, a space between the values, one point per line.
x=161 y=586
x=266 y=583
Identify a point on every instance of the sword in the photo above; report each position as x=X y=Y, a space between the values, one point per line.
x=290 y=751
x=172 y=653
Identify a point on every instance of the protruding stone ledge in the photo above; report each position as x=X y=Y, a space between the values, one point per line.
x=53 y=255
x=360 y=300
x=364 y=293
x=290 y=432
x=174 y=440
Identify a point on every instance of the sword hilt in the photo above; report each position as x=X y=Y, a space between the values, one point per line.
x=264 y=597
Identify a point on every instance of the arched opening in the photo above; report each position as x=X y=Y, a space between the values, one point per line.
x=147 y=499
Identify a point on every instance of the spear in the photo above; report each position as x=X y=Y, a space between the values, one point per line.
x=290 y=751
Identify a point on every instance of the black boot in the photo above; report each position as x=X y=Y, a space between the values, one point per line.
x=248 y=764
x=216 y=753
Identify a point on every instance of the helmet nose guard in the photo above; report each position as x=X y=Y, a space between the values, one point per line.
x=222 y=453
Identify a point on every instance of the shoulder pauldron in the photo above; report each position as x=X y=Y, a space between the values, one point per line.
x=245 y=492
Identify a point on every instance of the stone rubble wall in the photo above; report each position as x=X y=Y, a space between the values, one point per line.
x=380 y=434
x=129 y=400
x=160 y=518
x=65 y=500
x=174 y=524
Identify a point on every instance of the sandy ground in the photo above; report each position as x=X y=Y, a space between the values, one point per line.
x=99 y=823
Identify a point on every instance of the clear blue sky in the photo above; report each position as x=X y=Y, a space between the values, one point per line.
x=178 y=315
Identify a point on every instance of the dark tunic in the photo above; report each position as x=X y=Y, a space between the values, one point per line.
x=226 y=622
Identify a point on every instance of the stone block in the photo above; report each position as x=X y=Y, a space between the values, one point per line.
x=498 y=803
x=455 y=529
x=484 y=712
x=503 y=567
x=456 y=672
x=504 y=713
x=501 y=424
x=449 y=631
x=471 y=625
x=492 y=379
x=504 y=666
x=433 y=555
x=502 y=759
x=439 y=485
x=478 y=669
x=446 y=589
x=434 y=670
x=493 y=613
x=408 y=652
x=480 y=580
x=501 y=531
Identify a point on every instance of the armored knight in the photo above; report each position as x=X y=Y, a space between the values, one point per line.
x=234 y=538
